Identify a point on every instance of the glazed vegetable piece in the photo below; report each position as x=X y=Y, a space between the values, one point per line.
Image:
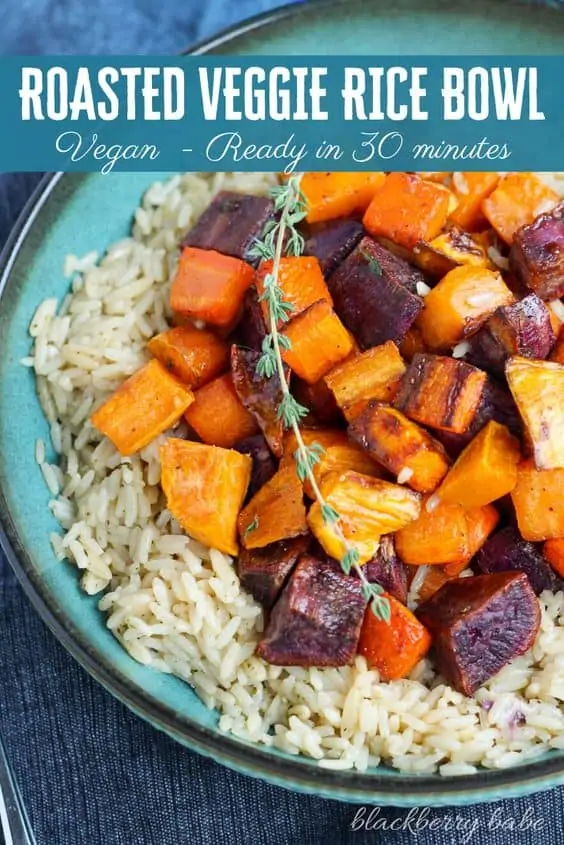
x=553 y=551
x=318 y=341
x=276 y=512
x=515 y=202
x=261 y=396
x=251 y=329
x=538 y=498
x=537 y=254
x=205 y=487
x=407 y=209
x=460 y=304
x=452 y=248
x=368 y=508
x=318 y=399
x=194 y=356
x=300 y=280
x=521 y=328
x=231 y=224
x=394 y=648
x=330 y=195
x=375 y=294
x=386 y=569
x=471 y=189
x=401 y=446
x=538 y=390
x=263 y=572
x=440 y=392
x=507 y=551
x=263 y=466
x=332 y=241
x=145 y=405
x=218 y=416
x=479 y=624
x=374 y=374
x=209 y=286
x=485 y=471
x=316 y=621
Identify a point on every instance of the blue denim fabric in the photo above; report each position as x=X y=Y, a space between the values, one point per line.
x=91 y=773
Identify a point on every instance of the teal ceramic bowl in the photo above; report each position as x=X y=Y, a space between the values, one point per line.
x=78 y=213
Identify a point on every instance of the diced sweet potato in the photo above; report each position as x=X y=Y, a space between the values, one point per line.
x=460 y=304
x=440 y=392
x=209 y=286
x=318 y=342
x=261 y=396
x=218 y=416
x=485 y=471
x=301 y=281
x=471 y=189
x=251 y=329
x=407 y=209
x=386 y=569
x=368 y=508
x=194 y=356
x=452 y=248
x=263 y=572
x=506 y=551
x=231 y=224
x=481 y=523
x=401 y=446
x=479 y=624
x=394 y=648
x=318 y=399
x=330 y=195
x=375 y=374
x=538 y=390
x=516 y=201
x=537 y=254
x=375 y=294
x=538 y=499
x=317 y=619
x=553 y=551
x=331 y=242
x=264 y=465
x=276 y=512
x=557 y=353
x=145 y=405
x=205 y=488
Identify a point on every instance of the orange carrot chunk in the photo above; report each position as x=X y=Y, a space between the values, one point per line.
x=144 y=406
x=330 y=195
x=276 y=512
x=205 y=488
x=517 y=200
x=553 y=550
x=407 y=209
x=318 y=342
x=471 y=189
x=485 y=471
x=209 y=286
x=218 y=416
x=538 y=499
x=394 y=648
x=300 y=280
x=374 y=374
x=195 y=356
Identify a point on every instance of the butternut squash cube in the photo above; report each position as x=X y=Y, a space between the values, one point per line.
x=276 y=512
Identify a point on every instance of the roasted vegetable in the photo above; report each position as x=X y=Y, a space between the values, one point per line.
x=407 y=209
x=264 y=465
x=263 y=572
x=386 y=569
x=452 y=248
x=375 y=374
x=538 y=499
x=276 y=512
x=231 y=224
x=401 y=446
x=485 y=471
x=318 y=399
x=507 y=551
x=300 y=280
x=318 y=341
x=538 y=390
x=412 y=344
x=194 y=356
x=431 y=579
x=316 y=621
x=331 y=242
x=516 y=201
x=205 y=488
x=144 y=406
x=218 y=416
x=479 y=624
x=375 y=294
x=471 y=190
x=330 y=195
x=440 y=392
x=557 y=353
x=251 y=329
x=368 y=508
x=537 y=254
x=395 y=647
x=553 y=551
x=261 y=396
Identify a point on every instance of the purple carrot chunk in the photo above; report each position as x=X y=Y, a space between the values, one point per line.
x=261 y=396
x=374 y=294
x=506 y=551
x=330 y=242
x=479 y=624
x=264 y=465
x=263 y=572
x=317 y=619
x=537 y=254
x=251 y=329
x=386 y=569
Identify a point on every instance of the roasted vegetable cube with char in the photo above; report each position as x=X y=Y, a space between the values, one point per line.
x=317 y=341
x=375 y=294
x=330 y=195
x=332 y=241
x=317 y=619
x=516 y=201
x=374 y=374
x=251 y=328
x=538 y=499
x=263 y=572
x=450 y=249
x=386 y=569
x=537 y=255
x=264 y=465
x=479 y=624
x=276 y=512
x=506 y=551
x=218 y=416
x=261 y=396
x=194 y=356
x=393 y=647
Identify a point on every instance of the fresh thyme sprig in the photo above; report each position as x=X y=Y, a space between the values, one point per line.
x=281 y=235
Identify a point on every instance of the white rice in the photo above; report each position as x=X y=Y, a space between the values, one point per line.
x=178 y=607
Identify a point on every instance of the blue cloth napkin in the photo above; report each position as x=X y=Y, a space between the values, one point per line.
x=91 y=773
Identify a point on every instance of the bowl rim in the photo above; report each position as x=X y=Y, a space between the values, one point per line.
x=400 y=790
